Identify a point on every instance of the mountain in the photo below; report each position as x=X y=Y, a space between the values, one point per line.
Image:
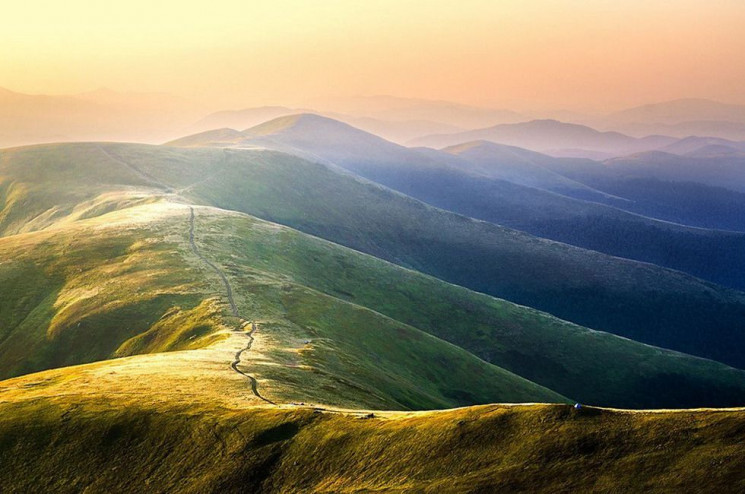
x=550 y=136
x=500 y=184
x=589 y=288
x=681 y=110
x=691 y=145
x=393 y=130
x=717 y=256
x=716 y=171
x=96 y=115
x=126 y=266
x=239 y=119
x=715 y=150
x=190 y=348
x=522 y=167
x=734 y=131
x=398 y=131
x=126 y=283
x=393 y=108
x=682 y=202
x=679 y=118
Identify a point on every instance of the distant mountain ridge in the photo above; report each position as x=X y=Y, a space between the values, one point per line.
x=424 y=176
x=549 y=136
x=316 y=301
x=96 y=115
x=681 y=110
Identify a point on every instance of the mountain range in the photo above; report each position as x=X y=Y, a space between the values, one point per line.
x=301 y=305
x=314 y=301
x=506 y=186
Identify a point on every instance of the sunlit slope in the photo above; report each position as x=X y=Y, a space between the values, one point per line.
x=586 y=365
x=43 y=185
x=128 y=283
x=335 y=326
x=70 y=444
x=76 y=294
x=636 y=300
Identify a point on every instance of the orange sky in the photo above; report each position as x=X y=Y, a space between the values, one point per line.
x=593 y=54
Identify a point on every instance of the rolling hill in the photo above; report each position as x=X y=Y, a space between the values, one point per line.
x=549 y=136
x=681 y=110
x=679 y=118
x=500 y=184
x=195 y=349
x=683 y=202
x=522 y=167
x=240 y=119
x=165 y=446
x=717 y=256
x=717 y=171
x=602 y=292
x=311 y=300
x=127 y=283
x=696 y=145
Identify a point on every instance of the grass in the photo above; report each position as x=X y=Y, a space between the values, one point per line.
x=635 y=300
x=79 y=293
x=70 y=445
x=274 y=266
x=126 y=282
x=107 y=280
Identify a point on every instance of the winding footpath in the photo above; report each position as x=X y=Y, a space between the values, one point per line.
x=233 y=309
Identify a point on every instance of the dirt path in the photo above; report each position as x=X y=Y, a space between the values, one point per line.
x=143 y=175
x=233 y=309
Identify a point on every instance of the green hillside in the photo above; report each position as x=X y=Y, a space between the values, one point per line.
x=72 y=445
x=194 y=349
x=636 y=300
x=127 y=283
x=319 y=299
x=341 y=327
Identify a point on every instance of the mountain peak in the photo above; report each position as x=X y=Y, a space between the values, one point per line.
x=484 y=146
x=299 y=121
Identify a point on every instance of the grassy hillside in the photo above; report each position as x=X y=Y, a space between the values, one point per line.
x=507 y=186
x=586 y=365
x=127 y=283
x=220 y=352
x=336 y=326
x=70 y=444
x=715 y=171
x=686 y=202
x=41 y=185
x=636 y=300
x=713 y=255
x=78 y=293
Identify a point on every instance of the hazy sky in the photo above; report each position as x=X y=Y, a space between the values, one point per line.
x=506 y=53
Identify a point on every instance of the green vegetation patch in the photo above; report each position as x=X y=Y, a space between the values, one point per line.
x=57 y=445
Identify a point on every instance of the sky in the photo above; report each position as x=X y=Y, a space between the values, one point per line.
x=593 y=55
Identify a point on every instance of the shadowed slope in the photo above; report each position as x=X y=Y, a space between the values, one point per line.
x=507 y=186
x=549 y=136
x=160 y=296
x=632 y=299
x=636 y=300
